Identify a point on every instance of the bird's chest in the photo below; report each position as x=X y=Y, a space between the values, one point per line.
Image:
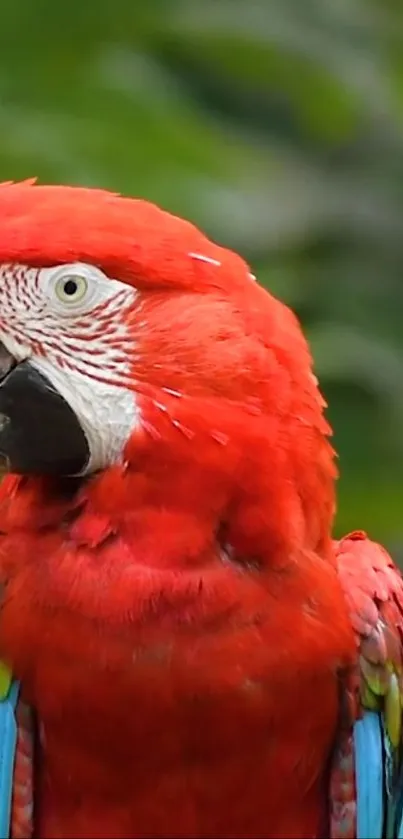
x=220 y=725
x=185 y=764
x=177 y=740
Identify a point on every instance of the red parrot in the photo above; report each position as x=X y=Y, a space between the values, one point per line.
x=196 y=656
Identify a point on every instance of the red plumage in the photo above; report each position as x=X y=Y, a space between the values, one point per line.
x=178 y=622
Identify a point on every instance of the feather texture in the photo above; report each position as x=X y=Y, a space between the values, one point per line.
x=373 y=588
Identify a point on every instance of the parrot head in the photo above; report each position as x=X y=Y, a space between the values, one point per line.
x=130 y=342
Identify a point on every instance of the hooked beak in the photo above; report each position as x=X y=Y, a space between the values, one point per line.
x=39 y=432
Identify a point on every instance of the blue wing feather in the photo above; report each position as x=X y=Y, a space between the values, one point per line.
x=8 y=743
x=368 y=750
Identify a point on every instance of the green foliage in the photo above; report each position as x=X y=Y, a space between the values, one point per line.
x=275 y=125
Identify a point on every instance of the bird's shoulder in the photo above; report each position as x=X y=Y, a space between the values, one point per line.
x=367 y=776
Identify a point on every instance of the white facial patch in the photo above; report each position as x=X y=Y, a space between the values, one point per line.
x=73 y=324
x=107 y=413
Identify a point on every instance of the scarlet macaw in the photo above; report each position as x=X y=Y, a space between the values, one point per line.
x=195 y=656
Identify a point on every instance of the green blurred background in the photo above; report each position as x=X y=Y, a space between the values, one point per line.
x=277 y=126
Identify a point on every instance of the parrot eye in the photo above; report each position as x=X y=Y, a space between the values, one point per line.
x=71 y=288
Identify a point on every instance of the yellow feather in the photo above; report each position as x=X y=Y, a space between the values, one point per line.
x=393 y=711
x=5 y=681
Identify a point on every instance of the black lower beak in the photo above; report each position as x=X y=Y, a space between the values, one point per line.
x=39 y=432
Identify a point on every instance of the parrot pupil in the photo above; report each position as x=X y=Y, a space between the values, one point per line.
x=70 y=287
